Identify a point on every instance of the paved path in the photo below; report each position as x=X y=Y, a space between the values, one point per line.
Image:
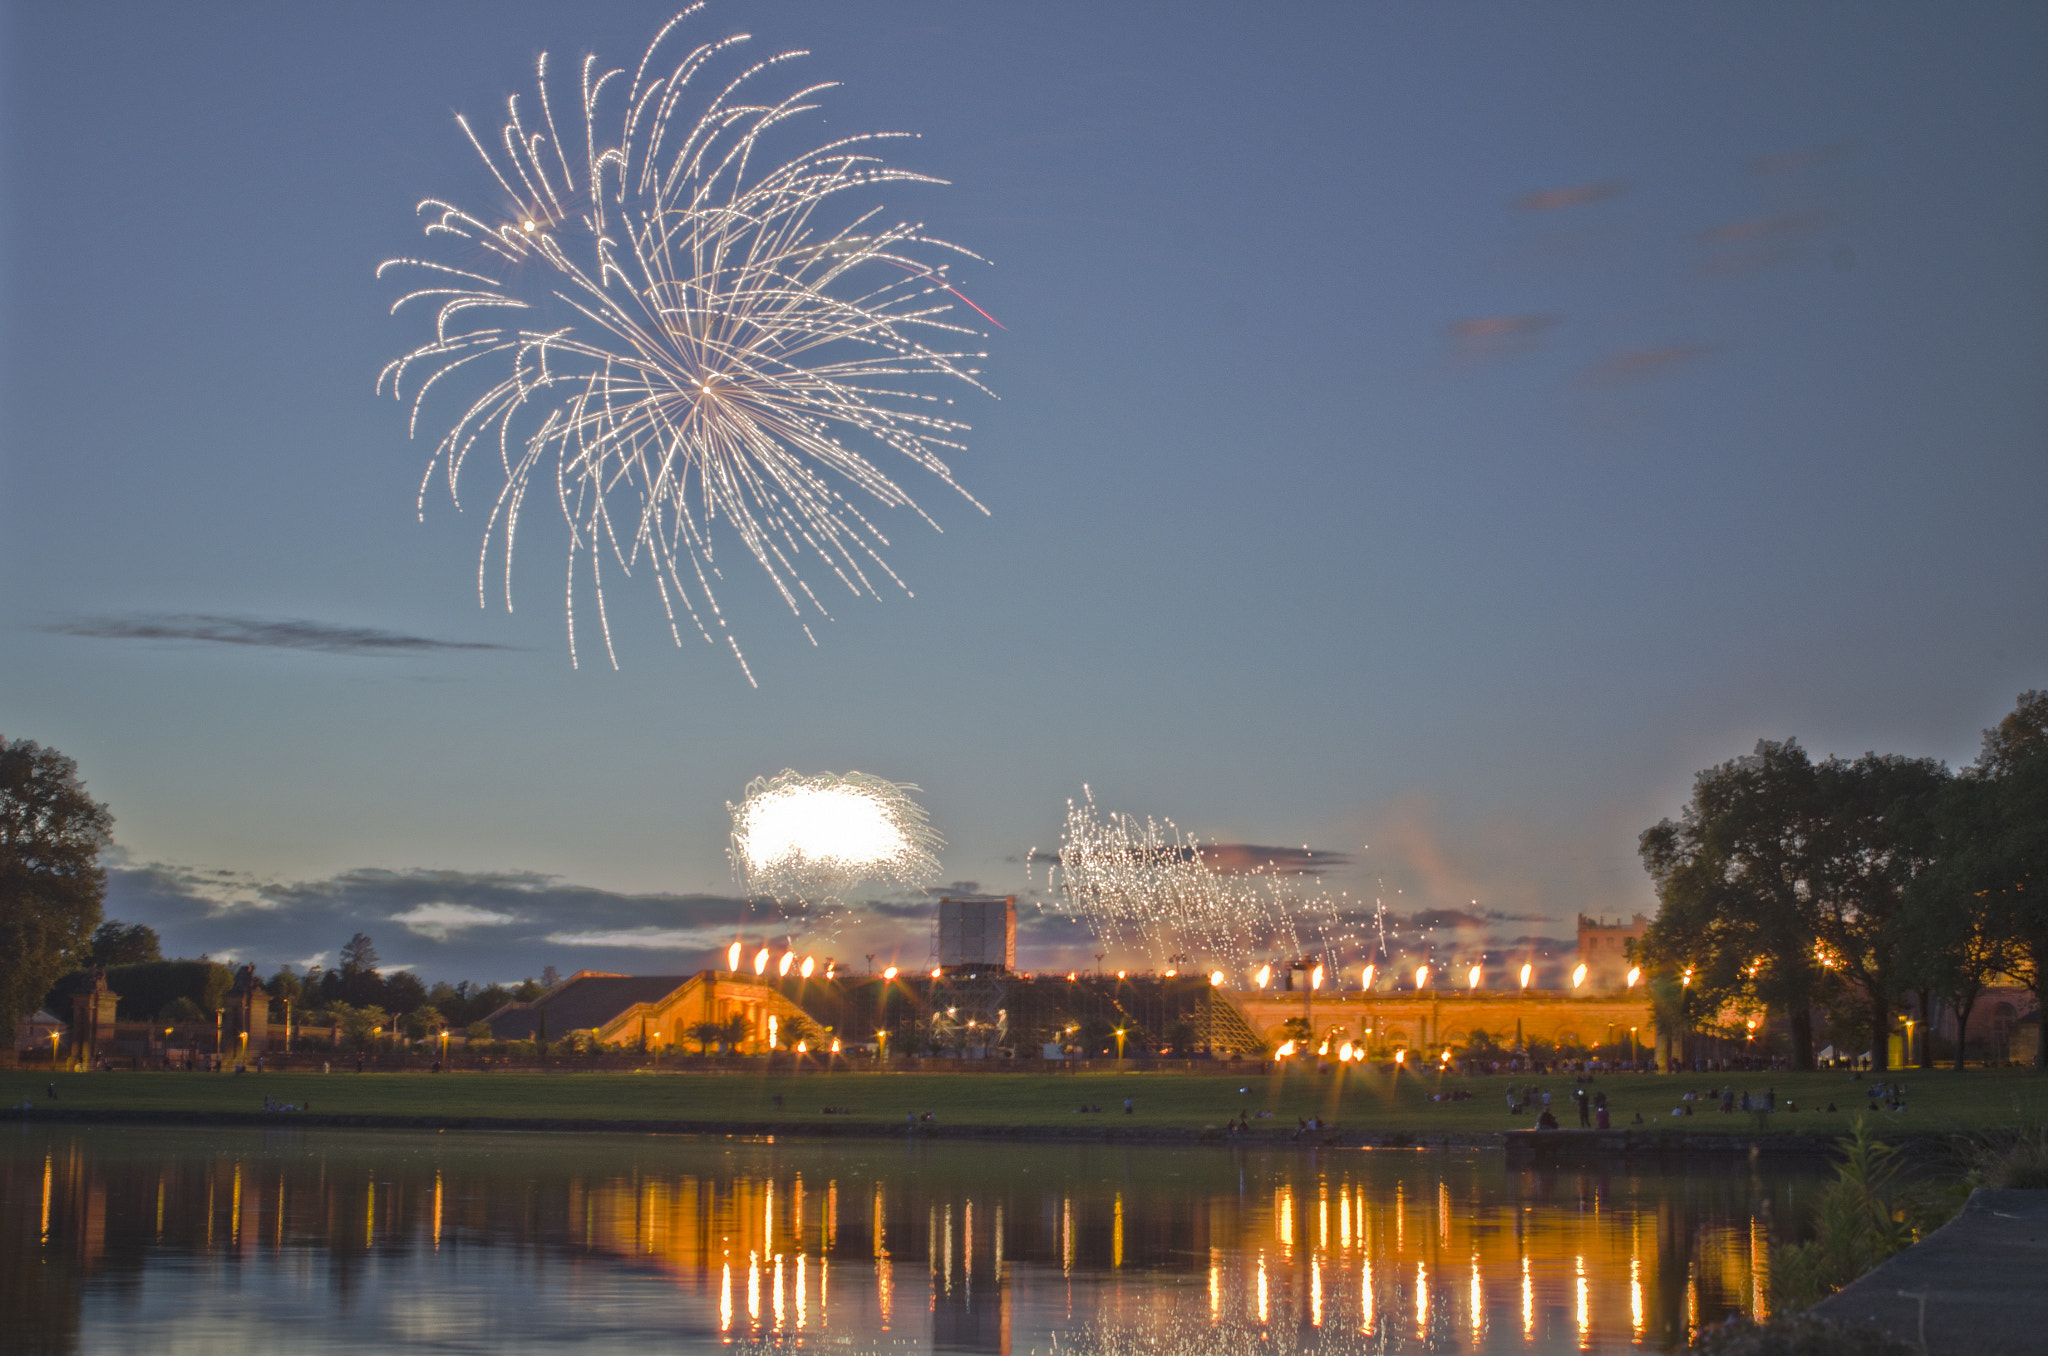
x=1982 y=1279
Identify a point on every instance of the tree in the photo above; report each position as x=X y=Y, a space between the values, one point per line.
x=707 y=1034
x=2001 y=856
x=51 y=883
x=1960 y=945
x=1733 y=878
x=285 y=987
x=358 y=980
x=117 y=943
x=1872 y=837
x=423 y=1022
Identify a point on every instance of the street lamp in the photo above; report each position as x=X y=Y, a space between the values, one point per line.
x=732 y=956
x=1421 y=976
x=1473 y=976
x=1578 y=975
x=1527 y=971
x=1909 y=1041
x=1264 y=975
x=1635 y=974
x=1365 y=979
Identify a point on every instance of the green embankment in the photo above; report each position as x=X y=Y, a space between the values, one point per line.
x=1359 y=1101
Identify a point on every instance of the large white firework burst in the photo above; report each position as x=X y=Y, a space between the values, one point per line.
x=1146 y=886
x=806 y=838
x=720 y=350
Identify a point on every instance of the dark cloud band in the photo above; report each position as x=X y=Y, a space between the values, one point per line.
x=320 y=637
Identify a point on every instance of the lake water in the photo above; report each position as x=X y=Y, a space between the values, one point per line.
x=229 y=1241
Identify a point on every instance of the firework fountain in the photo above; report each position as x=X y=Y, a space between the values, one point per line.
x=668 y=334
x=1147 y=886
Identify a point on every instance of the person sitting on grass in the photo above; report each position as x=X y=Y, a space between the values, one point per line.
x=1546 y=1121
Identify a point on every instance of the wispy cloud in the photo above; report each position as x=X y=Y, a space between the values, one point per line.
x=257 y=632
x=441 y=920
x=1575 y=195
x=1634 y=365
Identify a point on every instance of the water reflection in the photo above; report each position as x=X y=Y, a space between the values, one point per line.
x=119 y=1239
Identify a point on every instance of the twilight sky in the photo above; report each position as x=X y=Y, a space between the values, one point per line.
x=1426 y=434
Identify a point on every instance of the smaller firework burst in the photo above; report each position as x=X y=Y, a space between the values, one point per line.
x=804 y=839
x=1145 y=885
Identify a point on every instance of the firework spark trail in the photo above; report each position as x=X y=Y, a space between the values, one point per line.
x=805 y=839
x=721 y=343
x=1147 y=886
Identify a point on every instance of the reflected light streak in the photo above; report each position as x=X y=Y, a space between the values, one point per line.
x=1421 y=1301
x=1478 y=1302
x=1528 y=1304
x=1215 y=1285
x=1116 y=1235
x=1365 y=1295
x=1759 y=1271
x=1635 y=1296
x=1585 y=1308
x=1262 y=1297
x=778 y=1308
x=1315 y=1292
x=725 y=1300
x=800 y=1307
x=437 y=1208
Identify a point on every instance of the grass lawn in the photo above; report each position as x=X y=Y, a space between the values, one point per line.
x=1939 y=1100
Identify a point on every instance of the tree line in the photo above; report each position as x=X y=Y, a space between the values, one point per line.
x=353 y=999
x=1854 y=890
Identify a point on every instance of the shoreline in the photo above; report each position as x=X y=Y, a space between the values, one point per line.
x=1527 y=1147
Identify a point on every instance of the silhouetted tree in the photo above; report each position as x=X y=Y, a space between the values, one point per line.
x=1996 y=848
x=358 y=980
x=117 y=943
x=1873 y=839
x=51 y=883
x=1733 y=875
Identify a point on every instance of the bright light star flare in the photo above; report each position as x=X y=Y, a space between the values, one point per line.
x=680 y=338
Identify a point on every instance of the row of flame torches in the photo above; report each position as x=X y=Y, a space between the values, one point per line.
x=1262 y=977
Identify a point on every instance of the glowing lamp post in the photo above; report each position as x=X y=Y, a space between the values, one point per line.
x=809 y=965
x=782 y=968
x=1528 y=971
x=1473 y=976
x=1264 y=976
x=732 y=957
x=1635 y=975
x=1215 y=979
x=1315 y=978
x=761 y=961
x=889 y=975
x=1366 y=977
x=1421 y=976
x=1578 y=975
